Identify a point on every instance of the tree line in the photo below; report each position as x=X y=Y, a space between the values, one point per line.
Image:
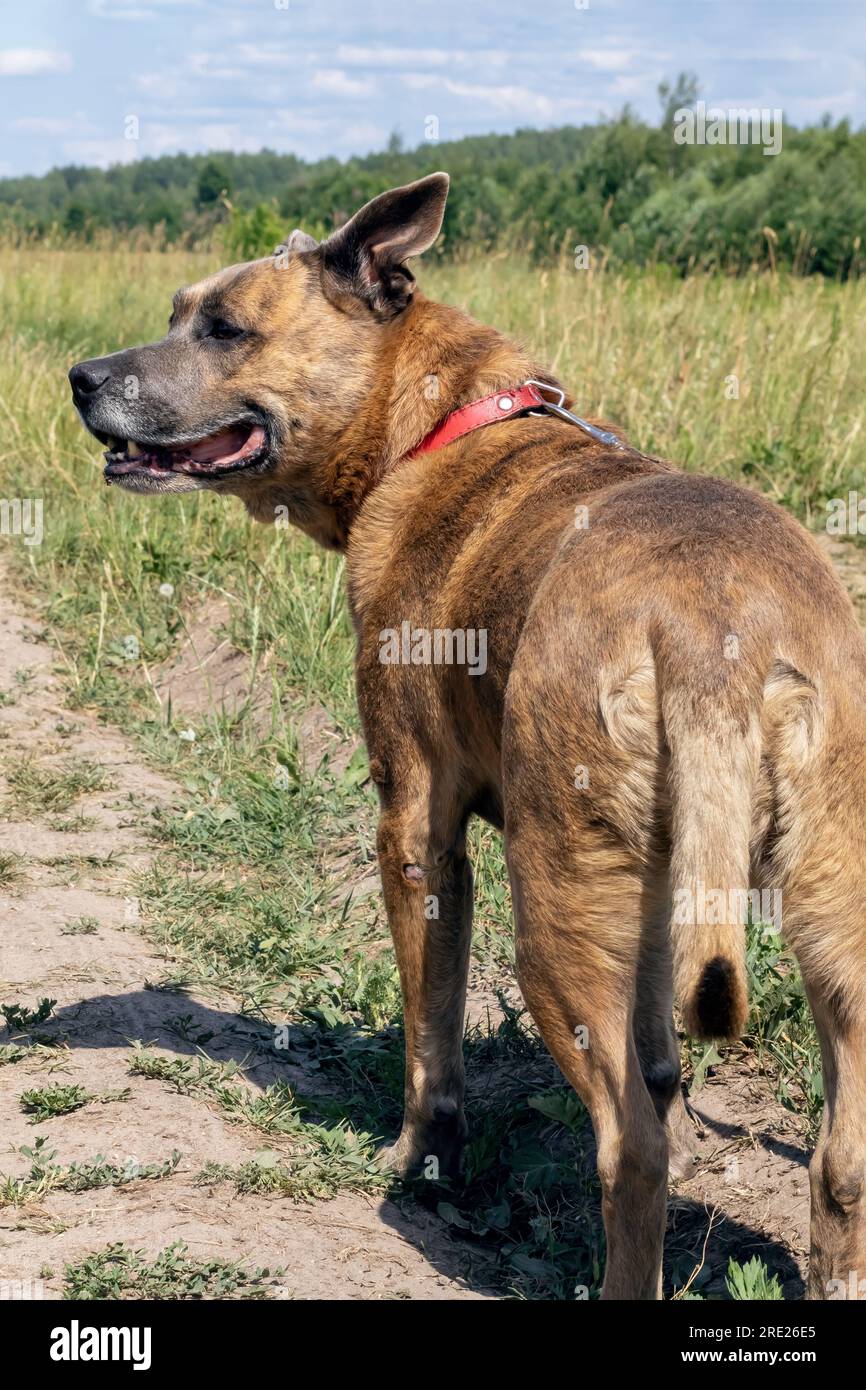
x=627 y=191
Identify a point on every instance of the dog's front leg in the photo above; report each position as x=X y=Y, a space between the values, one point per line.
x=427 y=883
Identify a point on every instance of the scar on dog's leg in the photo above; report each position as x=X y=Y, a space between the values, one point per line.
x=576 y=951
x=427 y=883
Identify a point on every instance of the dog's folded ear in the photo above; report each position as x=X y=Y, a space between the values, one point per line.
x=365 y=258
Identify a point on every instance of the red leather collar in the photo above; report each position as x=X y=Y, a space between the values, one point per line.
x=499 y=405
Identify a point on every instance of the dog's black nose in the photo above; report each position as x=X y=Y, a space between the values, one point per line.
x=85 y=379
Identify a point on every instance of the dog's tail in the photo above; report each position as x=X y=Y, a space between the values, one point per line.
x=714 y=761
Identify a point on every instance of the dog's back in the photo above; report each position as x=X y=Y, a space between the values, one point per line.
x=650 y=680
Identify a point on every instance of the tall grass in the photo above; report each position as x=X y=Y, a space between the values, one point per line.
x=761 y=378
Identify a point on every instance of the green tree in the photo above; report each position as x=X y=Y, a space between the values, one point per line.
x=675 y=96
x=75 y=218
x=213 y=183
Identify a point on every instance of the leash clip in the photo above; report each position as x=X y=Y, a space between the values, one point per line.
x=557 y=408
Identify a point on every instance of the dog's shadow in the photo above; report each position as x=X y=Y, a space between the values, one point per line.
x=525 y=1223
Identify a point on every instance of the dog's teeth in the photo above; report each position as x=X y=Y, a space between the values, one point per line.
x=133 y=450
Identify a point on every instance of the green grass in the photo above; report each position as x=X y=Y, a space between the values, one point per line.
x=10 y=1053
x=11 y=870
x=251 y=895
x=81 y=926
x=44 y=1055
x=750 y=1282
x=121 y=1273
x=36 y=790
x=317 y=1160
x=781 y=1026
x=71 y=824
x=21 y=1019
x=45 y=1175
x=47 y=1102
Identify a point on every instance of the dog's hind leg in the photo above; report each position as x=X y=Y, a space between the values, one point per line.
x=837 y=1172
x=427 y=883
x=654 y=1033
x=831 y=949
x=823 y=916
x=578 y=927
x=815 y=748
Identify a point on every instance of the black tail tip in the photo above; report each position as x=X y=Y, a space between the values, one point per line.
x=719 y=1005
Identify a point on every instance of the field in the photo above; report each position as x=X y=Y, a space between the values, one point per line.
x=187 y=854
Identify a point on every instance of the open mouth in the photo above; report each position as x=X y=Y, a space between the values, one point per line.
x=238 y=446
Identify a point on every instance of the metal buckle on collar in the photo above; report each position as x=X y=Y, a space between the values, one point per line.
x=557 y=408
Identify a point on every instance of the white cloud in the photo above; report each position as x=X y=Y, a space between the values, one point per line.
x=31 y=62
x=606 y=59
x=519 y=102
x=77 y=124
x=378 y=55
x=108 y=11
x=231 y=66
x=102 y=153
x=815 y=106
x=338 y=83
x=161 y=86
x=224 y=136
x=632 y=87
x=254 y=55
x=303 y=125
x=134 y=9
x=359 y=135
x=268 y=55
x=155 y=138
x=338 y=132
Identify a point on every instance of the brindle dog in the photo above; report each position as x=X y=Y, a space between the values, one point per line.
x=672 y=710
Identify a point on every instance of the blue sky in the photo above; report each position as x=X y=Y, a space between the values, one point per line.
x=323 y=77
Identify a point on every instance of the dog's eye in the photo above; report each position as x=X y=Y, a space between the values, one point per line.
x=223 y=330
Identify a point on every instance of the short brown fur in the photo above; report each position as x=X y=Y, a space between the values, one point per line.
x=673 y=701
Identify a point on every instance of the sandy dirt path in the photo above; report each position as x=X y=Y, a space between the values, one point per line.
x=750 y=1184
x=351 y=1247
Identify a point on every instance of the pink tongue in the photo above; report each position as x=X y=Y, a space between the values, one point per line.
x=226 y=446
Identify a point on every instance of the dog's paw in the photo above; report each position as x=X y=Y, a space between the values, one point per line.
x=431 y=1151
x=398 y=1158
x=682 y=1140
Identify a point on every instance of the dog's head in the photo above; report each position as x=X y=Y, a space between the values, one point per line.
x=264 y=364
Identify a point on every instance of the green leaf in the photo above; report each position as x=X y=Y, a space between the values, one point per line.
x=357 y=770
x=454 y=1217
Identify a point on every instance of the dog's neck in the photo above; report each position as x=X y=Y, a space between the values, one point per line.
x=434 y=359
